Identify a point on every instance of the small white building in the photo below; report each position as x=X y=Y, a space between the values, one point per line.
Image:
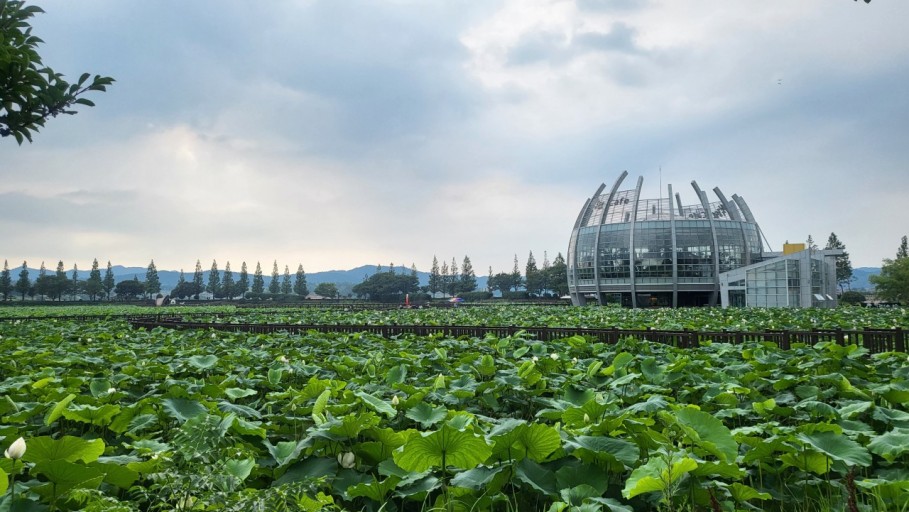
x=803 y=279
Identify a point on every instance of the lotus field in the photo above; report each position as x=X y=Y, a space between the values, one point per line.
x=114 y=418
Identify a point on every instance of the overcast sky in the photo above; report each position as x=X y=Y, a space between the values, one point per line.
x=339 y=133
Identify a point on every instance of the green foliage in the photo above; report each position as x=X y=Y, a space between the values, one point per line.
x=852 y=297
x=129 y=289
x=329 y=290
x=387 y=287
x=843 y=264
x=214 y=420
x=893 y=282
x=30 y=92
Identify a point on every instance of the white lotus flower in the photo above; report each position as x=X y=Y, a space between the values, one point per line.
x=535 y=359
x=554 y=356
x=111 y=390
x=586 y=418
x=15 y=450
x=395 y=400
x=347 y=460
x=283 y=359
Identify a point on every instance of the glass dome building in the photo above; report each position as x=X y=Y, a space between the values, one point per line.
x=638 y=252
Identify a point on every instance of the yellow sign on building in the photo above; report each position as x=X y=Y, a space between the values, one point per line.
x=793 y=248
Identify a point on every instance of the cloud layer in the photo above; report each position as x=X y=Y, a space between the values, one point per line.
x=334 y=134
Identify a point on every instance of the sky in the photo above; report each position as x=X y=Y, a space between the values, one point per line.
x=334 y=133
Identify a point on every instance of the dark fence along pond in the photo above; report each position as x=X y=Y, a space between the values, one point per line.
x=875 y=340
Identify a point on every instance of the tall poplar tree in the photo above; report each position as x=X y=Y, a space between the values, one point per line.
x=532 y=276
x=286 y=285
x=227 y=283
x=6 y=281
x=274 y=287
x=152 y=282
x=454 y=277
x=435 y=277
x=903 y=250
x=23 y=283
x=558 y=276
x=468 y=279
x=243 y=282
x=74 y=285
x=109 y=282
x=843 y=265
x=443 y=281
x=516 y=279
x=197 y=279
x=61 y=282
x=44 y=286
x=93 y=285
x=258 y=284
x=214 y=280
x=300 y=287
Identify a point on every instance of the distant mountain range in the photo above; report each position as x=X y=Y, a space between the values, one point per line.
x=860 y=278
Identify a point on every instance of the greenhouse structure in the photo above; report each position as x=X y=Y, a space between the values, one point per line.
x=637 y=252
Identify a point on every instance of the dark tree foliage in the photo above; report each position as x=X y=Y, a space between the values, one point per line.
x=843 y=264
x=152 y=282
x=893 y=282
x=94 y=285
x=197 y=279
x=214 y=280
x=129 y=289
x=228 y=288
x=108 y=281
x=903 y=250
x=300 y=287
x=387 y=286
x=23 y=284
x=852 y=297
x=6 y=281
x=329 y=290
x=258 y=284
x=30 y=92
x=243 y=281
x=274 y=287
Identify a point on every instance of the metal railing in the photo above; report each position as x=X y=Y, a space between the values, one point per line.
x=875 y=340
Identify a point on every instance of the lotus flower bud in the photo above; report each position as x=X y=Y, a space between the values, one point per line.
x=534 y=359
x=347 y=460
x=395 y=401
x=586 y=418
x=15 y=450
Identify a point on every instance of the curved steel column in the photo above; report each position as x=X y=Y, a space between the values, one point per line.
x=750 y=218
x=596 y=241
x=678 y=201
x=734 y=213
x=716 y=256
x=572 y=260
x=675 y=253
x=634 y=219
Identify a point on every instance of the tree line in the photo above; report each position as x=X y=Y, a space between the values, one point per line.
x=59 y=285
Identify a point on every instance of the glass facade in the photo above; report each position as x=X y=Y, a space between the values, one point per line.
x=657 y=249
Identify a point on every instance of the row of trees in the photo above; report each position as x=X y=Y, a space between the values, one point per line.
x=550 y=278
x=57 y=285
x=225 y=286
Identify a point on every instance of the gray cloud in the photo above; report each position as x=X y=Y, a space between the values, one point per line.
x=338 y=133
